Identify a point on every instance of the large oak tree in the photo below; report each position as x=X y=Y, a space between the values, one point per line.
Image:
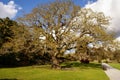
x=53 y=20
x=64 y=26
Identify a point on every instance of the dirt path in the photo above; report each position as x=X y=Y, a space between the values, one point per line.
x=112 y=73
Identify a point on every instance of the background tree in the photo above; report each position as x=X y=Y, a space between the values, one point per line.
x=5 y=30
x=115 y=48
x=6 y=36
x=18 y=46
x=8 y=29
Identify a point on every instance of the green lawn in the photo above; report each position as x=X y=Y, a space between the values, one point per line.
x=115 y=65
x=83 y=72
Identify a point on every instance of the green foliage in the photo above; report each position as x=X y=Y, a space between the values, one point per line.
x=21 y=47
x=6 y=30
x=8 y=60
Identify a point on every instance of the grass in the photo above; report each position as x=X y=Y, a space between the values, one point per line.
x=115 y=65
x=76 y=71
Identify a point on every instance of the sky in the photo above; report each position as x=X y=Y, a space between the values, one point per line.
x=16 y=8
x=109 y=8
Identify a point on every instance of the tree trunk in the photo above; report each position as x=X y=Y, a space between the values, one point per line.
x=55 y=63
x=118 y=60
x=99 y=59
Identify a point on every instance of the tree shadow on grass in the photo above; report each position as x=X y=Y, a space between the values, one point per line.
x=81 y=65
x=8 y=79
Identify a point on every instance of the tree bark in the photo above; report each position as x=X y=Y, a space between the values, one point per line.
x=55 y=63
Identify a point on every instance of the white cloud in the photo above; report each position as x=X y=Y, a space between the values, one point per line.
x=117 y=39
x=9 y=10
x=109 y=8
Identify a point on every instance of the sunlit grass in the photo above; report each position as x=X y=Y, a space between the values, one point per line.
x=115 y=65
x=76 y=71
